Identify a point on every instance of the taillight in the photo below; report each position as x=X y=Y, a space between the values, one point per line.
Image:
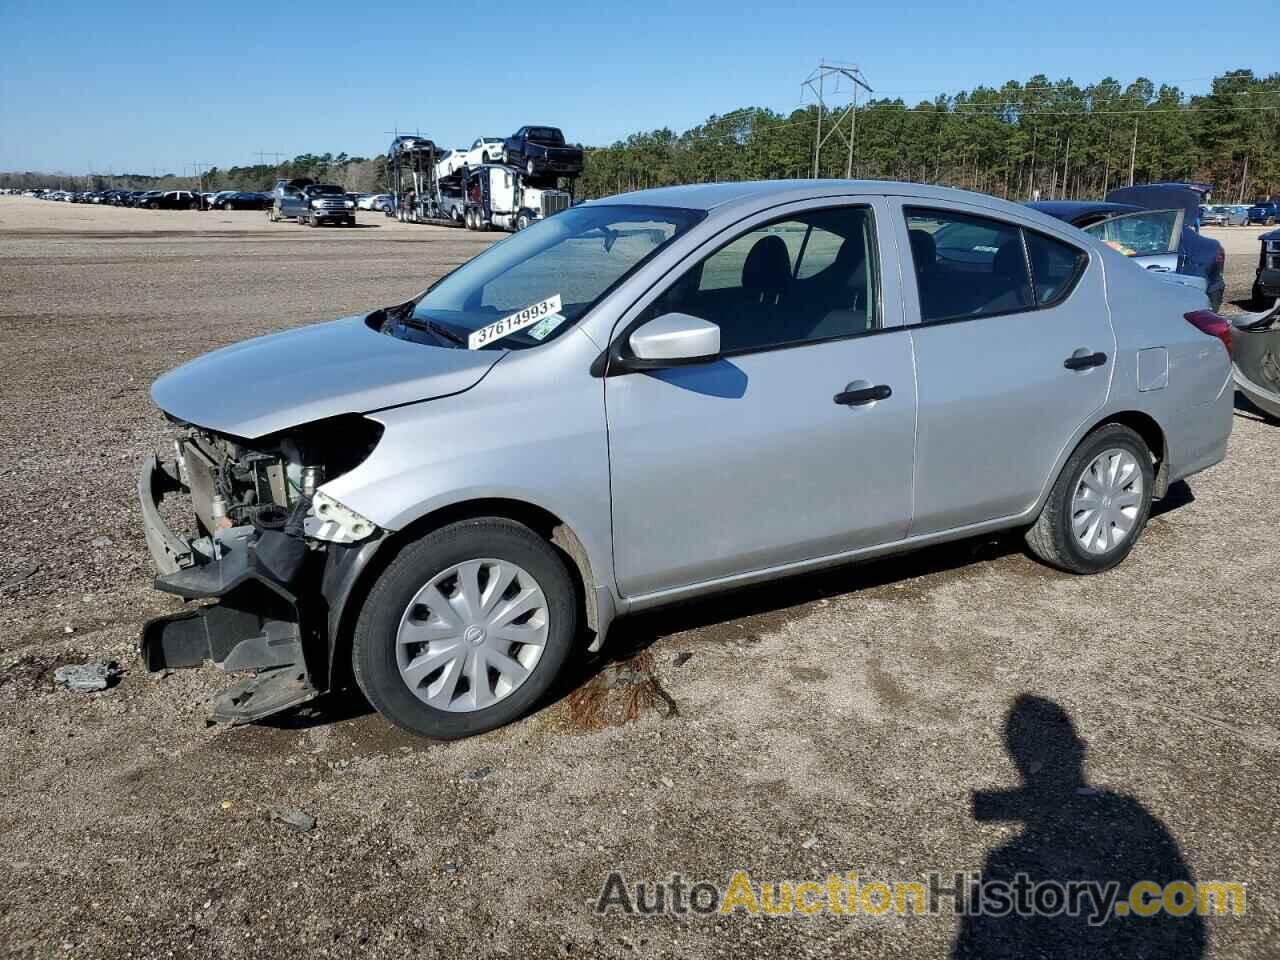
x=1206 y=321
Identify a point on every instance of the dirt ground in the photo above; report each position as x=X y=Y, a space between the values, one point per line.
x=830 y=724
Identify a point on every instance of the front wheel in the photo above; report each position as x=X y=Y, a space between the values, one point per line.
x=1099 y=505
x=528 y=168
x=466 y=629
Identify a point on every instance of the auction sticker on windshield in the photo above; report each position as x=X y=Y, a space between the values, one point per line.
x=516 y=321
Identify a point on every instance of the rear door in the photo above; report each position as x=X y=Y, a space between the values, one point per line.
x=766 y=457
x=1013 y=350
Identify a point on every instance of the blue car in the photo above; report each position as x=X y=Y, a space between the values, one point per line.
x=1267 y=212
x=1158 y=226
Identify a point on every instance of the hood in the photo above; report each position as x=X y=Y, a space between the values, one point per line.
x=287 y=379
x=1161 y=196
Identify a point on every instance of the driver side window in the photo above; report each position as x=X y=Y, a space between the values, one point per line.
x=805 y=278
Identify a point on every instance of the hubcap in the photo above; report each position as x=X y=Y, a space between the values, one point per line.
x=1108 y=495
x=472 y=635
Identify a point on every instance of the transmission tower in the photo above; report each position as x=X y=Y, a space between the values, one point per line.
x=830 y=78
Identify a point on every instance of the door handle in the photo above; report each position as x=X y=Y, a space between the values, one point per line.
x=1083 y=361
x=856 y=398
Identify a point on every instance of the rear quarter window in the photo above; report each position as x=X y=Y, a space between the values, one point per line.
x=1055 y=267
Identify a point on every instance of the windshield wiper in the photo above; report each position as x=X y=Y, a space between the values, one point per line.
x=440 y=330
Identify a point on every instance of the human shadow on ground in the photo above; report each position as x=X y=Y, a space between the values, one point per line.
x=1071 y=832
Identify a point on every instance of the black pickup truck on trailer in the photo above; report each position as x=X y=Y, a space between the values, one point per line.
x=541 y=152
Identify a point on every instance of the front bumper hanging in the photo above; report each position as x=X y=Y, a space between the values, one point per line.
x=257 y=624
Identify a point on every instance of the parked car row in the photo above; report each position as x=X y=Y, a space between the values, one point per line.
x=1224 y=215
x=238 y=200
x=162 y=199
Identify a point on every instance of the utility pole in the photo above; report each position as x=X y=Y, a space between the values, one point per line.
x=198 y=166
x=262 y=157
x=816 y=82
x=1066 y=169
x=1133 y=151
x=1106 y=170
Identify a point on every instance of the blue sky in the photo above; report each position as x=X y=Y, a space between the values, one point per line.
x=131 y=86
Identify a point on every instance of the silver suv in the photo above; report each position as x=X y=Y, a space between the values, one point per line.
x=652 y=397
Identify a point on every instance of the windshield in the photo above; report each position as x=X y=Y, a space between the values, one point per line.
x=324 y=190
x=538 y=283
x=548 y=135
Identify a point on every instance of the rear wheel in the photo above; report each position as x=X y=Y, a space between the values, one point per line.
x=1260 y=300
x=466 y=629
x=1099 y=505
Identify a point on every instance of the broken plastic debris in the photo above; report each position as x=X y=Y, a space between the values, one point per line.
x=296 y=819
x=87 y=677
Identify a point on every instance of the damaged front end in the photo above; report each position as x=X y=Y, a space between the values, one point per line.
x=262 y=546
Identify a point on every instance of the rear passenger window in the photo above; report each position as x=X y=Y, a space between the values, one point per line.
x=809 y=277
x=965 y=266
x=1054 y=266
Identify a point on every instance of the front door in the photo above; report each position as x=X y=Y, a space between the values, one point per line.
x=777 y=452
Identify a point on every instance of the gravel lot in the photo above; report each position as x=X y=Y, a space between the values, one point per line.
x=829 y=724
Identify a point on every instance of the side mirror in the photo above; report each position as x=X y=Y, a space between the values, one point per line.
x=673 y=339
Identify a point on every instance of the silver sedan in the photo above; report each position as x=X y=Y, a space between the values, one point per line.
x=654 y=397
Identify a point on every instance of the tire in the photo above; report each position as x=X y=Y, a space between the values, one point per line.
x=484 y=157
x=1052 y=537
x=528 y=168
x=377 y=653
x=506 y=156
x=1260 y=300
x=153 y=206
x=522 y=222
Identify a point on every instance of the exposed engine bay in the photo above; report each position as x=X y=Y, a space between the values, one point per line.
x=265 y=550
x=264 y=483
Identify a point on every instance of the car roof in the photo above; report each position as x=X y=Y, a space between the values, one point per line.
x=725 y=198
